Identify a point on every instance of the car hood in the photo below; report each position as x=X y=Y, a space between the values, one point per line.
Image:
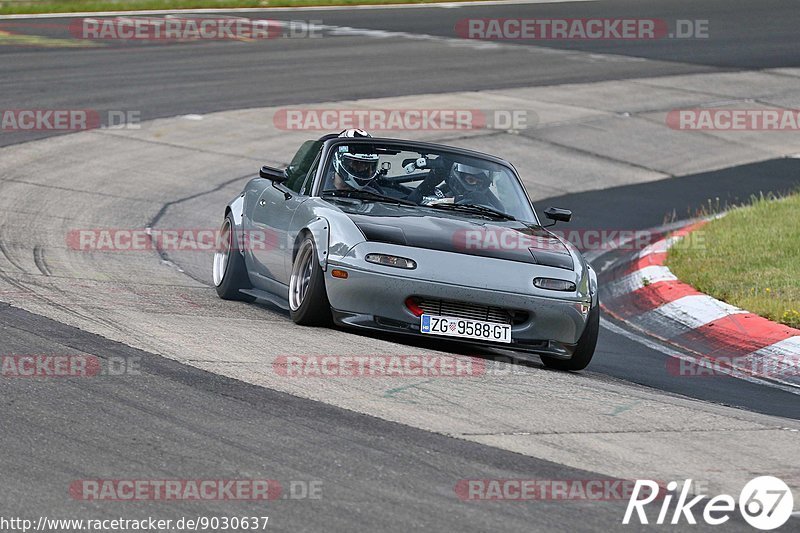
x=452 y=232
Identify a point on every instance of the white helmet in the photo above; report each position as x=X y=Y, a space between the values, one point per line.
x=356 y=169
x=354 y=132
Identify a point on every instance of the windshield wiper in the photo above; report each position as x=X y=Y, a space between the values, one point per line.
x=478 y=209
x=367 y=195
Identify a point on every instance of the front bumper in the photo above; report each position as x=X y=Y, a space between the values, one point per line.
x=373 y=296
x=385 y=325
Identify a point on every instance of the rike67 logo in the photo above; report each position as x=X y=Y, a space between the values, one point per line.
x=765 y=503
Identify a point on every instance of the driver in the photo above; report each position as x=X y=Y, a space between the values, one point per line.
x=470 y=185
x=355 y=171
x=463 y=184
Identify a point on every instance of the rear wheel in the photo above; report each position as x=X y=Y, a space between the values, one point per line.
x=585 y=349
x=308 y=299
x=229 y=271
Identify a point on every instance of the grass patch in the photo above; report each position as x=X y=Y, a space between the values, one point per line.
x=8 y=7
x=749 y=258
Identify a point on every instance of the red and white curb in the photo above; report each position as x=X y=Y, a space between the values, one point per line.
x=642 y=292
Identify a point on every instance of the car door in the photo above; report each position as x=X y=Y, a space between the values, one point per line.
x=270 y=219
x=301 y=216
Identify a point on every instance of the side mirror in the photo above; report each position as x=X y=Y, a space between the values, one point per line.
x=273 y=174
x=557 y=214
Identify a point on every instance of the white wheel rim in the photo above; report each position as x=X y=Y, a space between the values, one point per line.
x=222 y=253
x=300 y=279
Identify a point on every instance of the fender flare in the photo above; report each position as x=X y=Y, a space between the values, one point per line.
x=236 y=209
x=593 y=285
x=320 y=230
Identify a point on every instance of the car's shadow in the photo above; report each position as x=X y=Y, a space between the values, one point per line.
x=498 y=355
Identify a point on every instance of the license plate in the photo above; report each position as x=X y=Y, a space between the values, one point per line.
x=465 y=328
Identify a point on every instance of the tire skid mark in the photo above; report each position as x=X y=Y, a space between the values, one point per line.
x=23 y=289
x=4 y=250
x=165 y=207
x=38 y=259
x=69 y=310
x=27 y=291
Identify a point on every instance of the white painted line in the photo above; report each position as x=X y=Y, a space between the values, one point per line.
x=787 y=347
x=652 y=274
x=444 y=5
x=638 y=279
x=696 y=310
x=643 y=340
x=655 y=248
x=346 y=31
x=663 y=245
x=781 y=359
x=660 y=246
x=615 y=244
x=477 y=44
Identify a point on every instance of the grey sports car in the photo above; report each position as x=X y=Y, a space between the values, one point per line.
x=414 y=238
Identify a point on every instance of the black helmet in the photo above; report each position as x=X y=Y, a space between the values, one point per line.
x=466 y=179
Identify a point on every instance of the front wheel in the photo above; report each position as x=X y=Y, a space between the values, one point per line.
x=585 y=349
x=308 y=299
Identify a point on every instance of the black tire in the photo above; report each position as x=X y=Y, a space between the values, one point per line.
x=308 y=307
x=233 y=276
x=585 y=349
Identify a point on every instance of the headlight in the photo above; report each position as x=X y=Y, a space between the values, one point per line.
x=554 y=284
x=391 y=261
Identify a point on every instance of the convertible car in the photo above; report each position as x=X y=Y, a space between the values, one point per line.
x=413 y=238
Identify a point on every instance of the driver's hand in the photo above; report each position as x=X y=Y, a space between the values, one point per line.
x=429 y=183
x=437 y=165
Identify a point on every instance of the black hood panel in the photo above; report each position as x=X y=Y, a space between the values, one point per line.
x=425 y=228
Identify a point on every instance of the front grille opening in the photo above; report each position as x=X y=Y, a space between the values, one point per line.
x=499 y=315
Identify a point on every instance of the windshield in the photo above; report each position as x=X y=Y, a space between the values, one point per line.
x=428 y=179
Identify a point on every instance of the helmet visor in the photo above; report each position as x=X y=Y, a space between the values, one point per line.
x=471 y=178
x=359 y=169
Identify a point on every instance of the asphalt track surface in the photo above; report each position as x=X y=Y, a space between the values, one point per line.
x=377 y=475
x=171 y=80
